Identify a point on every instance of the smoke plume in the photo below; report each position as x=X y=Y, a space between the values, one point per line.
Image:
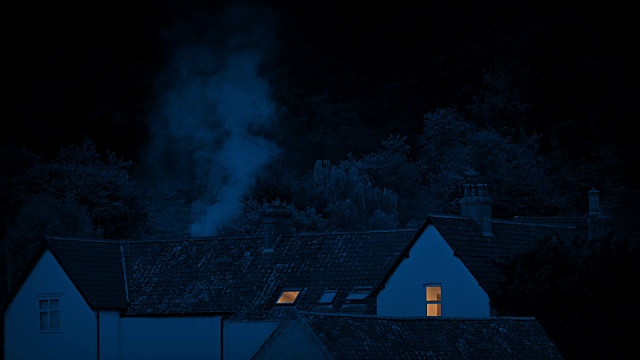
x=213 y=109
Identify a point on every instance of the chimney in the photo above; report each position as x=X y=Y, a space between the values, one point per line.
x=476 y=204
x=594 y=202
x=276 y=222
x=599 y=222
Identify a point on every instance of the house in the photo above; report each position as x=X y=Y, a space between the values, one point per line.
x=223 y=297
x=305 y=335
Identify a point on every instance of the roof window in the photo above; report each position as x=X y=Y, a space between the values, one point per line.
x=288 y=297
x=328 y=297
x=359 y=293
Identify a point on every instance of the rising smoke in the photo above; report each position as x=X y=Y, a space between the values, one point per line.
x=213 y=109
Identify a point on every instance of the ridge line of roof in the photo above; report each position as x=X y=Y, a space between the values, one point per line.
x=218 y=237
x=62 y=238
x=410 y=318
x=124 y=273
x=448 y=216
x=357 y=232
x=545 y=225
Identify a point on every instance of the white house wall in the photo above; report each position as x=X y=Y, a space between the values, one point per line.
x=243 y=339
x=109 y=335
x=431 y=260
x=77 y=338
x=192 y=337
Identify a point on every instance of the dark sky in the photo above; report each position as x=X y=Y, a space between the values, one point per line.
x=124 y=73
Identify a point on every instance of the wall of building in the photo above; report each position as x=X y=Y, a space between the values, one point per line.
x=190 y=337
x=77 y=337
x=109 y=335
x=431 y=260
x=243 y=339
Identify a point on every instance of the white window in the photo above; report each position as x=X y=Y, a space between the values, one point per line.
x=288 y=297
x=49 y=314
x=433 y=299
x=359 y=293
x=328 y=296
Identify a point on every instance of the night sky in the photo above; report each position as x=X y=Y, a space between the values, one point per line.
x=182 y=82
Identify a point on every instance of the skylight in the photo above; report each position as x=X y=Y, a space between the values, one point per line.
x=359 y=293
x=328 y=296
x=288 y=297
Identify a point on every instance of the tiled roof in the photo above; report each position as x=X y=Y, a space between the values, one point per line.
x=368 y=337
x=317 y=262
x=626 y=221
x=234 y=274
x=479 y=252
x=95 y=267
x=519 y=235
x=201 y=275
x=230 y=274
x=469 y=244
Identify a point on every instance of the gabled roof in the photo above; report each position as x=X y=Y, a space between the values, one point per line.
x=367 y=337
x=229 y=274
x=234 y=275
x=95 y=267
x=480 y=252
x=469 y=244
x=318 y=262
x=625 y=221
x=186 y=276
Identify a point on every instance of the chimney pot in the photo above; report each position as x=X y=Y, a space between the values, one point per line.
x=276 y=222
x=594 y=202
x=467 y=190
x=477 y=204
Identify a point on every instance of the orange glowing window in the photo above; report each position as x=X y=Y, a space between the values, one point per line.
x=288 y=297
x=433 y=299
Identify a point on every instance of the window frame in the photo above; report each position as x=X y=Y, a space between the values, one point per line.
x=46 y=310
x=297 y=292
x=328 y=297
x=359 y=294
x=437 y=302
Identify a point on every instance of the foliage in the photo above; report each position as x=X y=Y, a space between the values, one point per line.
x=580 y=291
x=14 y=163
x=453 y=151
x=391 y=167
x=102 y=188
x=249 y=221
x=352 y=201
x=44 y=215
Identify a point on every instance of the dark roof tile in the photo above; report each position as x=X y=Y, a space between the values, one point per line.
x=366 y=337
x=95 y=267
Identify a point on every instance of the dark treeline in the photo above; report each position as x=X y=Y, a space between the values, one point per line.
x=344 y=76
x=566 y=285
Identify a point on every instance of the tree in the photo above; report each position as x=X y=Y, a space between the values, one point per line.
x=352 y=202
x=79 y=178
x=580 y=291
x=390 y=167
x=453 y=151
x=14 y=163
x=249 y=222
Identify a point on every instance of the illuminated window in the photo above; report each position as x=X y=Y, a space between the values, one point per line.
x=359 y=293
x=288 y=297
x=328 y=296
x=434 y=299
x=49 y=314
